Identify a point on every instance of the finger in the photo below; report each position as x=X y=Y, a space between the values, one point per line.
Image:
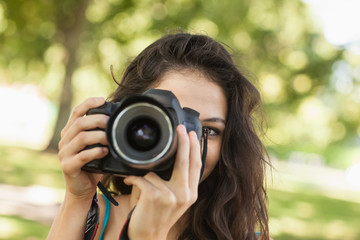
x=82 y=124
x=155 y=180
x=84 y=139
x=81 y=109
x=181 y=166
x=145 y=187
x=72 y=165
x=195 y=161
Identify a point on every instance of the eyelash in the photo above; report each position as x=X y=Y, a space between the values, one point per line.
x=212 y=131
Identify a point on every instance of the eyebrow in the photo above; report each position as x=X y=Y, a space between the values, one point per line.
x=214 y=119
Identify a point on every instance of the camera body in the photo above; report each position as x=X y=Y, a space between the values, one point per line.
x=141 y=133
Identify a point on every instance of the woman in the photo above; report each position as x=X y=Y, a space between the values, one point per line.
x=230 y=200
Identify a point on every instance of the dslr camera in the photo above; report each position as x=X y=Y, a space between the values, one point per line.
x=141 y=134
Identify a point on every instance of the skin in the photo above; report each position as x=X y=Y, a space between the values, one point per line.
x=196 y=91
x=160 y=205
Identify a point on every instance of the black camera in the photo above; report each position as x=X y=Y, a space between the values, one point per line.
x=141 y=134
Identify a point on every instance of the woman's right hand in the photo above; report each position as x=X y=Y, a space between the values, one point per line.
x=74 y=138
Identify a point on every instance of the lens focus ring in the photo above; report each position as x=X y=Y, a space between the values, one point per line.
x=142 y=135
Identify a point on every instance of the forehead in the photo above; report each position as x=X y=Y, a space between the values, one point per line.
x=195 y=90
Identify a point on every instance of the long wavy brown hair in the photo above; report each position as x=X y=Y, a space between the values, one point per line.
x=232 y=199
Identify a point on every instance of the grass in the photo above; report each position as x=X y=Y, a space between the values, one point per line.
x=307 y=215
x=300 y=214
x=24 y=167
x=15 y=228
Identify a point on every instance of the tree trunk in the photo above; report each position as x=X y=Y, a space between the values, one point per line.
x=71 y=40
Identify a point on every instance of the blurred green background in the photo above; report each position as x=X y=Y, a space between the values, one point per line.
x=304 y=56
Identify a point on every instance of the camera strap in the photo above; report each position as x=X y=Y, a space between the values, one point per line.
x=107 y=194
x=205 y=134
x=92 y=222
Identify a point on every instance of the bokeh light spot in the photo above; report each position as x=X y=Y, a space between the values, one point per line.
x=242 y=40
x=97 y=11
x=272 y=87
x=295 y=60
x=204 y=25
x=302 y=83
x=339 y=131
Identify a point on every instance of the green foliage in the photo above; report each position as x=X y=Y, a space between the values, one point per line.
x=301 y=213
x=310 y=88
x=24 y=167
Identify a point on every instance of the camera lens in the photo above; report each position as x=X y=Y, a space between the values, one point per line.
x=143 y=134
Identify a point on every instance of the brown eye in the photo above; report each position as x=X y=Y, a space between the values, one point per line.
x=212 y=131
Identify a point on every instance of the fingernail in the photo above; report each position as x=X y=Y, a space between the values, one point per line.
x=105 y=150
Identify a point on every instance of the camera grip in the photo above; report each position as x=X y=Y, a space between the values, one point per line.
x=107 y=109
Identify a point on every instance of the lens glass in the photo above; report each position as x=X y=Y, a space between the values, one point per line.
x=143 y=134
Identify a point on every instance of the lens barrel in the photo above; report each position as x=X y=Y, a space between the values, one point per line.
x=143 y=135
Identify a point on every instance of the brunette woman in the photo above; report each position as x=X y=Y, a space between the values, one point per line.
x=229 y=202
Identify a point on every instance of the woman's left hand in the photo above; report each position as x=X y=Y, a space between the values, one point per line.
x=160 y=203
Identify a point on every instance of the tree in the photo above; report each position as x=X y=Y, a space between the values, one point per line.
x=288 y=56
x=70 y=24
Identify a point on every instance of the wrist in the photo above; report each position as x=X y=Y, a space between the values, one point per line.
x=83 y=201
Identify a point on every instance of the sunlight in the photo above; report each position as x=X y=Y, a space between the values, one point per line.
x=272 y=87
x=40 y=195
x=28 y=116
x=353 y=175
x=339 y=19
x=296 y=60
x=8 y=227
x=302 y=83
x=111 y=53
x=97 y=11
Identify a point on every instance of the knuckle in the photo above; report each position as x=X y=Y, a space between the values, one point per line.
x=60 y=154
x=193 y=198
x=62 y=133
x=77 y=110
x=82 y=157
x=82 y=137
x=65 y=166
x=170 y=199
x=78 y=123
x=187 y=199
x=60 y=144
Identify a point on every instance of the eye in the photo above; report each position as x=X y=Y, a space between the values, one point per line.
x=212 y=131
